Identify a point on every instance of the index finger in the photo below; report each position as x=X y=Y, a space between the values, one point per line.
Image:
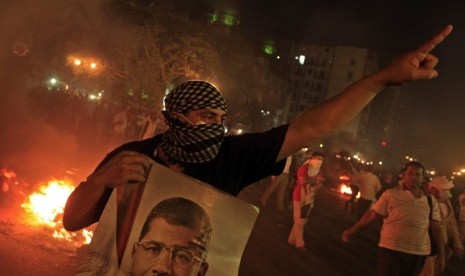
x=437 y=39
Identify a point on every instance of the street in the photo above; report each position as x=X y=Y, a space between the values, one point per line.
x=30 y=250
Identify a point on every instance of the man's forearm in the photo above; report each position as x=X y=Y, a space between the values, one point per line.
x=369 y=217
x=84 y=206
x=438 y=239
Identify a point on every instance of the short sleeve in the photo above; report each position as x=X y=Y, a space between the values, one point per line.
x=381 y=205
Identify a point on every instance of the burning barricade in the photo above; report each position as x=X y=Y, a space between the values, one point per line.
x=46 y=208
x=42 y=207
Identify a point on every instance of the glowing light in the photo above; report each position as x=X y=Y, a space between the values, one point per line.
x=269 y=49
x=93 y=65
x=49 y=201
x=46 y=207
x=265 y=112
x=302 y=59
x=77 y=62
x=345 y=189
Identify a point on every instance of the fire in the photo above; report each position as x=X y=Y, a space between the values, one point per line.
x=46 y=207
x=48 y=204
x=345 y=189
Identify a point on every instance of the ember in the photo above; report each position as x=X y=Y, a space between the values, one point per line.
x=8 y=176
x=46 y=207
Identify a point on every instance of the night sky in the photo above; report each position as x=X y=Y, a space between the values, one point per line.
x=432 y=128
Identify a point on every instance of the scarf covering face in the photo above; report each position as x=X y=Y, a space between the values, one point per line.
x=192 y=144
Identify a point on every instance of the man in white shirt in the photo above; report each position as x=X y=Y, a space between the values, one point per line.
x=404 y=240
x=369 y=186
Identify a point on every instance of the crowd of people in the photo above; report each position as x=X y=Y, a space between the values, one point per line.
x=103 y=121
x=408 y=204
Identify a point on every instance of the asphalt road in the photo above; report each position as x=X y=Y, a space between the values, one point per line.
x=31 y=250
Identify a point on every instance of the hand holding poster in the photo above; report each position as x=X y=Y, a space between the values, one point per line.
x=181 y=225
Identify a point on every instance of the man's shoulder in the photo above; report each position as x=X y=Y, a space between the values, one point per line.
x=394 y=191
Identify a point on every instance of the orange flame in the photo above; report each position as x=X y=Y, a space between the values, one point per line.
x=47 y=207
x=345 y=189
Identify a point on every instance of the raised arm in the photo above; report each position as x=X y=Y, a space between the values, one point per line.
x=321 y=120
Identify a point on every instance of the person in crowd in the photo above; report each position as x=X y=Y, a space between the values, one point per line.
x=353 y=173
x=281 y=182
x=440 y=187
x=298 y=159
x=460 y=209
x=387 y=181
x=309 y=181
x=195 y=144
x=404 y=241
x=174 y=240
x=369 y=186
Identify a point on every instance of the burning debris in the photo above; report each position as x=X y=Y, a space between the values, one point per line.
x=46 y=208
x=43 y=207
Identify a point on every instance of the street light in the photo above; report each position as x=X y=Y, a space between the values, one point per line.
x=57 y=84
x=84 y=64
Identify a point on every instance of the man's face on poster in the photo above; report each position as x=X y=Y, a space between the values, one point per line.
x=168 y=249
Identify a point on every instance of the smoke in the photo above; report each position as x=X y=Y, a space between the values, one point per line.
x=30 y=144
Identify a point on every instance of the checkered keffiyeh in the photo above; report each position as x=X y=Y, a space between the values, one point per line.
x=192 y=144
x=194 y=95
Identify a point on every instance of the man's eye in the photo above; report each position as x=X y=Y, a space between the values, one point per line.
x=155 y=249
x=182 y=256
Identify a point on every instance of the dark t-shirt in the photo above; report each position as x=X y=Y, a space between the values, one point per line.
x=241 y=161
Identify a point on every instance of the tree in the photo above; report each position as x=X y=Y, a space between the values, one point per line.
x=167 y=49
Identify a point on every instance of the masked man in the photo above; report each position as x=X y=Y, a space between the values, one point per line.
x=309 y=181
